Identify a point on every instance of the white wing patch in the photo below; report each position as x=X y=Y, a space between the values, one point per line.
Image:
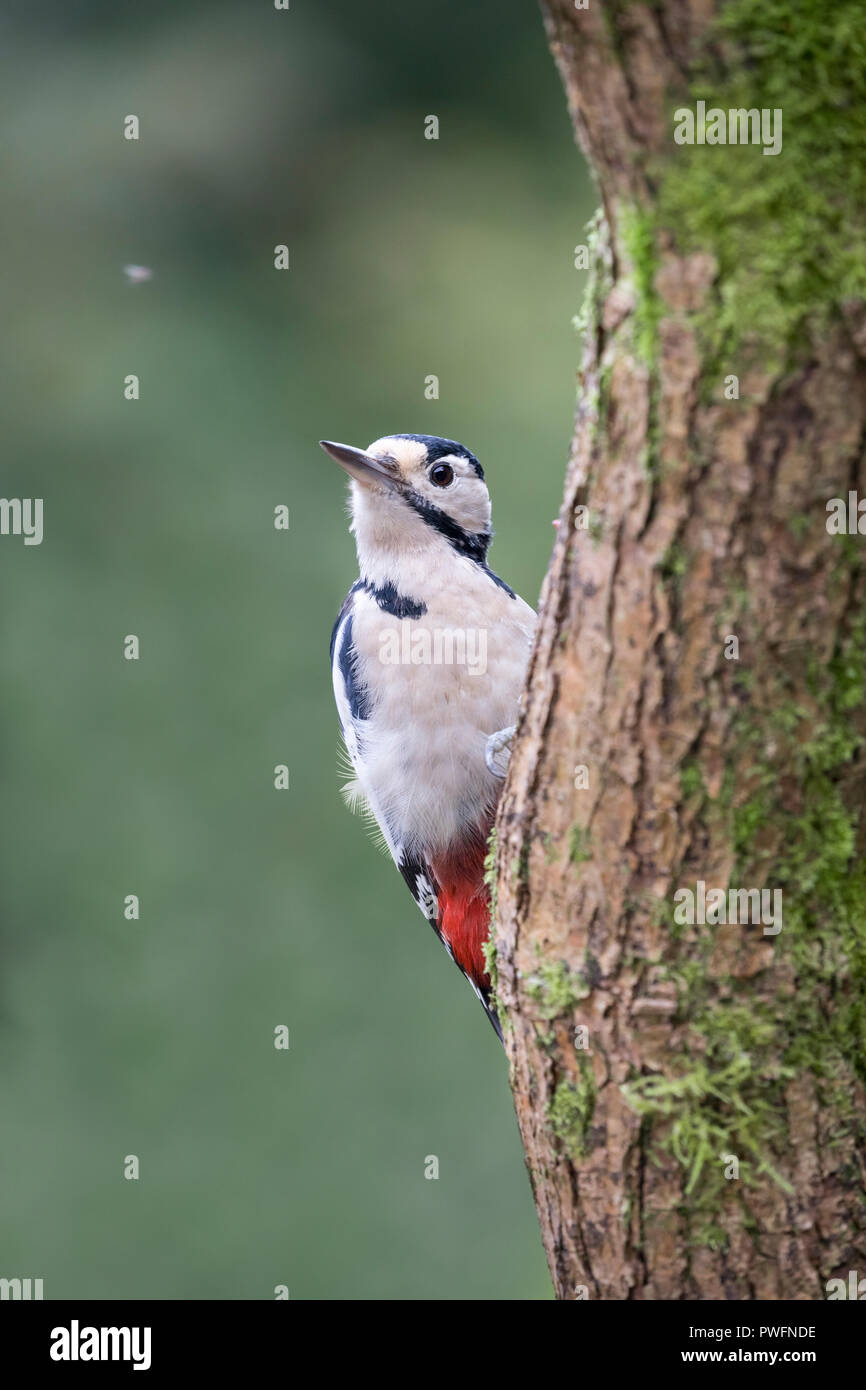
x=426 y=899
x=359 y=796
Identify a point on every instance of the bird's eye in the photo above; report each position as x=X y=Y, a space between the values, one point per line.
x=442 y=474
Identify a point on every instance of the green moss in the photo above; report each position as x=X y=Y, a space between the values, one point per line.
x=673 y=567
x=639 y=239
x=598 y=280
x=490 y=871
x=594 y=384
x=520 y=873
x=554 y=990
x=744 y=679
x=785 y=230
x=725 y=1094
x=799 y=524
x=571 y=1110
x=578 y=845
x=602 y=405
x=821 y=875
x=612 y=14
x=551 y=849
x=691 y=780
x=739 y=594
x=708 y=1120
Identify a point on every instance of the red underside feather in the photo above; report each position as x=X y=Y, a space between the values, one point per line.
x=464 y=907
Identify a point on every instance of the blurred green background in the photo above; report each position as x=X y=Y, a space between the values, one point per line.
x=258 y=907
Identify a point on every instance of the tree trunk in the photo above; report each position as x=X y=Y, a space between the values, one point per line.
x=691 y=1094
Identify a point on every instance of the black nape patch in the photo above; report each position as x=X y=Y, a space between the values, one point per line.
x=390 y=601
x=438 y=448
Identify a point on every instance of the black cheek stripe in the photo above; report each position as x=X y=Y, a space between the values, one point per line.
x=473 y=544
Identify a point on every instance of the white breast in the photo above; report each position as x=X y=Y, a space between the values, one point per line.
x=437 y=686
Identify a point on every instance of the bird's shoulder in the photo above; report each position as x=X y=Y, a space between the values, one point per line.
x=346 y=608
x=350 y=691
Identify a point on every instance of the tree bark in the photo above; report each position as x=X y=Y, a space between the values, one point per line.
x=691 y=1095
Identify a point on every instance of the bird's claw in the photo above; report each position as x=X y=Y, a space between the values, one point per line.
x=498 y=750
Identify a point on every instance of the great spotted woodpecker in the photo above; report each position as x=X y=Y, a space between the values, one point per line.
x=428 y=655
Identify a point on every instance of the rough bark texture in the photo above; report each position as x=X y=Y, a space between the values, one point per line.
x=706 y=520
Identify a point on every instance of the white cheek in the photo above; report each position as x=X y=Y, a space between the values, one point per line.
x=463 y=501
x=474 y=514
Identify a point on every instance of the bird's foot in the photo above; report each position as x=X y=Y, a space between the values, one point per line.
x=498 y=750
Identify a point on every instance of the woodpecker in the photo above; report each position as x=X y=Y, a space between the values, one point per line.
x=428 y=656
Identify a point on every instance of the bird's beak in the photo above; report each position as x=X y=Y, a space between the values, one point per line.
x=364 y=468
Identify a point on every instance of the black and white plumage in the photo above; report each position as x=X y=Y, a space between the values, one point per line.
x=428 y=657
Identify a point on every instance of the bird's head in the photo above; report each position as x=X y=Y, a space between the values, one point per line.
x=414 y=492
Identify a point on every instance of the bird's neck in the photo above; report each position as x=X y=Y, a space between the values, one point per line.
x=397 y=545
